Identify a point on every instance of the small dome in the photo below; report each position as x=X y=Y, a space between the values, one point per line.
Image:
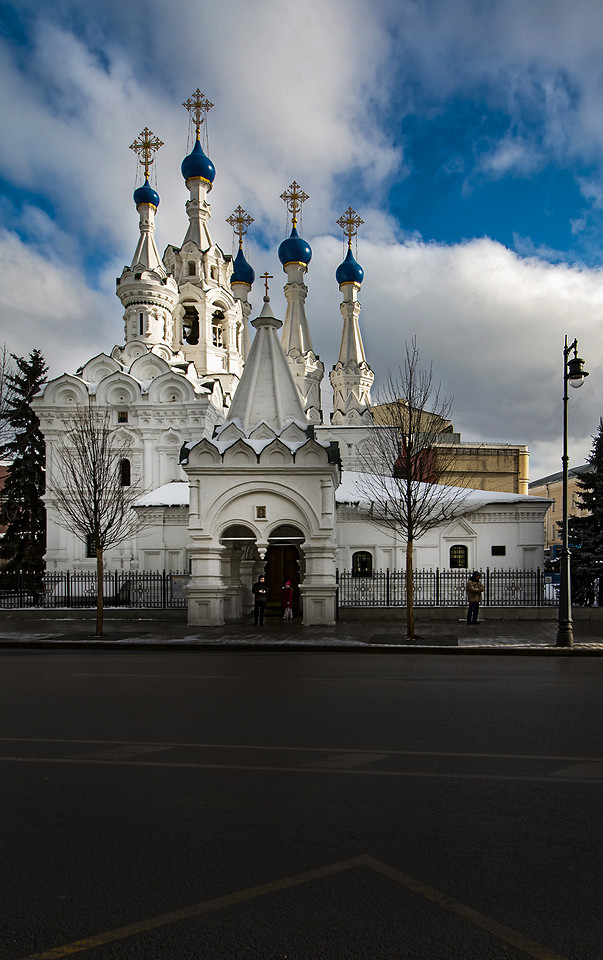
x=146 y=194
x=196 y=164
x=349 y=271
x=294 y=250
x=242 y=271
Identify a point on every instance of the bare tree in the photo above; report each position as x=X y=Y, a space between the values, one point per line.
x=408 y=461
x=92 y=490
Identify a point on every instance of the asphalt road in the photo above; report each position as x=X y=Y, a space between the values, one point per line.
x=296 y=806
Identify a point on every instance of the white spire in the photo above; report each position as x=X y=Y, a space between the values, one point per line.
x=146 y=254
x=267 y=390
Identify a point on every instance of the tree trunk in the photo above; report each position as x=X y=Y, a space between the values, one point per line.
x=99 y=592
x=410 y=593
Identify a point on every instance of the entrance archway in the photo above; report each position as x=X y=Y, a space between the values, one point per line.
x=284 y=561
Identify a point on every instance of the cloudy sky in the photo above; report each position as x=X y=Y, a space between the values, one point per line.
x=468 y=136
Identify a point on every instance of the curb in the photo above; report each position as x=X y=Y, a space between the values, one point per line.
x=433 y=648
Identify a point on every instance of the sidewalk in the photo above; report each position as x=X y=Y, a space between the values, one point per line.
x=148 y=629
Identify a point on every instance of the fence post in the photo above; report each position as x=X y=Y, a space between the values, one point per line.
x=437 y=586
x=387 y=587
x=164 y=591
x=538 y=587
x=337 y=593
x=487 y=586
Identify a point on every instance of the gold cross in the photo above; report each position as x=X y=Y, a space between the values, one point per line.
x=197 y=105
x=266 y=277
x=239 y=221
x=294 y=197
x=147 y=144
x=349 y=223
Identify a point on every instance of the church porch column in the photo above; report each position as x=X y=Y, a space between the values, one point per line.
x=319 y=586
x=206 y=589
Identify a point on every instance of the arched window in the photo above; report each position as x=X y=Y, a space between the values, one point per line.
x=192 y=268
x=362 y=564
x=124 y=473
x=190 y=325
x=217 y=330
x=459 y=556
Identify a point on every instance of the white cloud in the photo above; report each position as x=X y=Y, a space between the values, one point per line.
x=492 y=323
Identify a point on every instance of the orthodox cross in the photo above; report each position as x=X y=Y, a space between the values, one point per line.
x=146 y=144
x=266 y=277
x=197 y=105
x=349 y=223
x=239 y=221
x=294 y=197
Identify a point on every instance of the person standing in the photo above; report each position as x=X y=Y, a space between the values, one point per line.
x=260 y=595
x=474 y=589
x=287 y=600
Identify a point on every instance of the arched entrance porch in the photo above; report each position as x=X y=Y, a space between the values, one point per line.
x=284 y=561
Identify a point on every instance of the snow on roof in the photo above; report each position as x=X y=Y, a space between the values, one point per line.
x=350 y=490
x=174 y=494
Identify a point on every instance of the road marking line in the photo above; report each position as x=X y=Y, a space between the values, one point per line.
x=123 y=752
x=344 y=761
x=498 y=930
x=196 y=910
x=303 y=768
x=255 y=746
x=588 y=771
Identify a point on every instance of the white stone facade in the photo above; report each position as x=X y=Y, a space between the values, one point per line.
x=240 y=422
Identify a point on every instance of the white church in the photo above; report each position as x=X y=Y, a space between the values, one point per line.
x=238 y=473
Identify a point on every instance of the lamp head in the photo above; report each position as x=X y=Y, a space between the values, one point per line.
x=575 y=372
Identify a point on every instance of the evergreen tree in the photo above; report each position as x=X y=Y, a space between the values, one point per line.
x=586 y=533
x=23 y=512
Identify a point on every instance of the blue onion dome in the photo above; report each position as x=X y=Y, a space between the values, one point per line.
x=349 y=271
x=242 y=271
x=146 y=194
x=294 y=250
x=196 y=164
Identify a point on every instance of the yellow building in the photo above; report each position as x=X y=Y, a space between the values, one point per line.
x=552 y=487
x=501 y=467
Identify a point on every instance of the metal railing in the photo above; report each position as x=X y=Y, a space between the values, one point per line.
x=78 y=589
x=445 y=588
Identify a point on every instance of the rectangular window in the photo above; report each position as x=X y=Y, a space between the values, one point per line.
x=499 y=551
x=90 y=548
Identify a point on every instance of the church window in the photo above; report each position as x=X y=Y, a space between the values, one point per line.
x=214 y=273
x=190 y=325
x=499 y=551
x=124 y=473
x=192 y=269
x=90 y=547
x=459 y=556
x=362 y=564
x=122 y=416
x=141 y=324
x=217 y=330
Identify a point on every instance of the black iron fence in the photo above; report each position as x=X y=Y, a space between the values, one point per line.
x=78 y=589
x=446 y=588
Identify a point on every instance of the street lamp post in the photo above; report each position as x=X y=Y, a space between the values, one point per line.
x=574 y=374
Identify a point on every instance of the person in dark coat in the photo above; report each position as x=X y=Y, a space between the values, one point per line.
x=475 y=588
x=287 y=601
x=260 y=595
